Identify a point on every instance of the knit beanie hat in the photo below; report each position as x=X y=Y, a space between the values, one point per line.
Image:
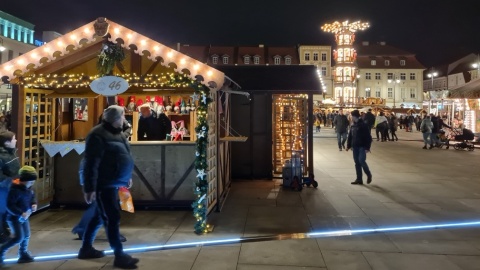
x=113 y=113
x=27 y=173
x=6 y=136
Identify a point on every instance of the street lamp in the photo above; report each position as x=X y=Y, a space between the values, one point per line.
x=2 y=48
x=432 y=75
x=395 y=81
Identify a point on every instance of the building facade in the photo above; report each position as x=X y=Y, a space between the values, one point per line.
x=391 y=74
x=320 y=56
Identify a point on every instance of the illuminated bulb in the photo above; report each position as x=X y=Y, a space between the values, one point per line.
x=170 y=54
x=143 y=42
x=129 y=36
x=46 y=49
x=60 y=43
x=8 y=67
x=116 y=30
x=196 y=67
x=86 y=30
x=73 y=37
x=156 y=48
x=21 y=61
x=182 y=61
x=209 y=73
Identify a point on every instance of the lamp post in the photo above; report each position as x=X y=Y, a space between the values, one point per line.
x=394 y=81
x=2 y=48
x=432 y=74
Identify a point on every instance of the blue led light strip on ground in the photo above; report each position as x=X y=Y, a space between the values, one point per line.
x=267 y=238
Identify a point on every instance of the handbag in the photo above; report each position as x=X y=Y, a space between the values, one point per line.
x=126 y=201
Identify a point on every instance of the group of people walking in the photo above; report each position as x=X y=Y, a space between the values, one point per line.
x=107 y=166
x=430 y=128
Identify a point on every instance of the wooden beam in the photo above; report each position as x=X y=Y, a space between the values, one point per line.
x=135 y=63
x=151 y=68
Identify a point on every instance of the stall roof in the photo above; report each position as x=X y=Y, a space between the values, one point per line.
x=57 y=50
x=295 y=78
x=470 y=90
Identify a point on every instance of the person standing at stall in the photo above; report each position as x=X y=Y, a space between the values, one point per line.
x=9 y=165
x=108 y=166
x=360 y=139
x=149 y=127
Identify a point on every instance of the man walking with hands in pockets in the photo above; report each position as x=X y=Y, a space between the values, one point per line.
x=360 y=139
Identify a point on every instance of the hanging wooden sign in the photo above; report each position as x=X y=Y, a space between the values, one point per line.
x=109 y=86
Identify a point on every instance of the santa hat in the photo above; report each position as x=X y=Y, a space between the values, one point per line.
x=159 y=100
x=147 y=99
x=121 y=101
x=177 y=104
x=139 y=102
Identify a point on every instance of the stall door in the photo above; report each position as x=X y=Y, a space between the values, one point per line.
x=38 y=124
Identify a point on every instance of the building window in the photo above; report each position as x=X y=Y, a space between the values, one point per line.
x=215 y=60
x=256 y=60
x=225 y=60
x=402 y=92
x=402 y=63
x=324 y=57
x=324 y=71
x=288 y=60
x=403 y=76
x=307 y=56
x=390 y=92
x=389 y=76
x=367 y=92
x=276 y=60
x=387 y=62
x=10 y=55
x=368 y=76
x=377 y=76
x=373 y=62
x=412 y=76
x=315 y=56
x=378 y=92
x=246 y=60
x=413 y=93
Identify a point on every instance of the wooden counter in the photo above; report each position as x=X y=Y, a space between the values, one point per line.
x=163 y=176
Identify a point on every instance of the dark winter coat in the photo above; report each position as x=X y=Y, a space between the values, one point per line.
x=9 y=165
x=108 y=162
x=341 y=123
x=369 y=119
x=359 y=135
x=149 y=129
x=20 y=199
x=165 y=126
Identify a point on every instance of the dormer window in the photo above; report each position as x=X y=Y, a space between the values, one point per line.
x=276 y=60
x=402 y=63
x=373 y=62
x=387 y=62
x=246 y=59
x=225 y=59
x=288 y=60
x=214 y=59
x=256 y=59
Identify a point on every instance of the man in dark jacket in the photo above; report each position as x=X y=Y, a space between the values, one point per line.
x=9 y=165
x=341 y=125
x=435 y=130
x=370 y=119
x=360 y=139
x=108 y=166
x=149 y=127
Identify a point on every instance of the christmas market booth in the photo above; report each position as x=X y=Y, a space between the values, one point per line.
x=278 y=118
x=61 y=89
x=466 y=105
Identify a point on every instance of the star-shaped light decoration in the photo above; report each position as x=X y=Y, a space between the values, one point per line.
x=201 y=173
x=195 y=97
x=201 y=134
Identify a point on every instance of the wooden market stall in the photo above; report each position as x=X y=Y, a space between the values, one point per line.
x=56 y=108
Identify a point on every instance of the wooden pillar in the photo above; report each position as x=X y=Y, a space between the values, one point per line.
x=18 y=117
x=310 y=134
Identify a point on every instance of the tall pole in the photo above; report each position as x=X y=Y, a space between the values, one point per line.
x=431 y=75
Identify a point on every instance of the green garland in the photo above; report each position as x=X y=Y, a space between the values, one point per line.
x=110 y=55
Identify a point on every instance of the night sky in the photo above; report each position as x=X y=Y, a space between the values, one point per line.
x=438 y=32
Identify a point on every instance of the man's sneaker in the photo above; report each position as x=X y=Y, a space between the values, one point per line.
x=369 y=179
x=125 y=261
x=356 y=182
x=25 y=257
x=90 y=253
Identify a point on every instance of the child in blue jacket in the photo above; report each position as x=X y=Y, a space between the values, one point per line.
x=20 y=205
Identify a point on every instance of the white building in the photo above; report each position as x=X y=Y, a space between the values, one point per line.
x=389 y=73
x=321 y=56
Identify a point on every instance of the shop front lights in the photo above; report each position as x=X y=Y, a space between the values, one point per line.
x=2 y=48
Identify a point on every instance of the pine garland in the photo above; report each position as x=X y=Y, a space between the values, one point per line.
x=109 y=56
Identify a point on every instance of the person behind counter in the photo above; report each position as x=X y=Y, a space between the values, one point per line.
x=151 y=127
